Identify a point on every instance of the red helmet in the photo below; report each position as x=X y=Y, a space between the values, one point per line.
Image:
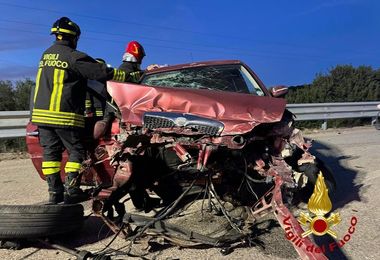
x=136 y=50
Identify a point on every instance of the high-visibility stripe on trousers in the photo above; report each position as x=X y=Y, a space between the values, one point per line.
x=72 y=167
x=51 y=167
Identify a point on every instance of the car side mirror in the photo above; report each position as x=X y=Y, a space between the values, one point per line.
x=278 y=91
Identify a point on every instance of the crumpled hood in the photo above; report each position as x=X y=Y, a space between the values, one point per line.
x=239 y=113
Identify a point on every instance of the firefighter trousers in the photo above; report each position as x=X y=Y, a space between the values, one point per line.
x=54 y=141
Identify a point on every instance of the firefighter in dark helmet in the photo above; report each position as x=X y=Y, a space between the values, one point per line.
x=94 y=106
x=58 y=108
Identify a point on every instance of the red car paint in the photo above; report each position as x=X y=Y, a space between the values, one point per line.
x=104 y=170
x=239 y=113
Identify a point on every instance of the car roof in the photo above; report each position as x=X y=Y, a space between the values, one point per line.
x=192 y=65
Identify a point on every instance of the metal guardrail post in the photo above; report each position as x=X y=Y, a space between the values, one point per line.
x=324 y=125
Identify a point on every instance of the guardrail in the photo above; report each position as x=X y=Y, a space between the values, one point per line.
x=12 y=123
x=326 y=111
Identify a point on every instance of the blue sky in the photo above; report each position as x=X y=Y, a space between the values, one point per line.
x=284 y=42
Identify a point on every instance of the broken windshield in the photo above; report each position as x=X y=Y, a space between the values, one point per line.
x=233 y=78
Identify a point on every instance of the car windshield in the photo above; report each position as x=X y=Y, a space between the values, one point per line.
x=234 y=78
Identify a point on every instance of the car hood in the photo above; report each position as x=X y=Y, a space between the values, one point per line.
x=239 y=113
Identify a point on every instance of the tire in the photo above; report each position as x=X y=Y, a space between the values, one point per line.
x=32 y=221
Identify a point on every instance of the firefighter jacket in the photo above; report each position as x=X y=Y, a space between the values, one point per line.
x=96 y=104
x=132 y=70
x=60 y=92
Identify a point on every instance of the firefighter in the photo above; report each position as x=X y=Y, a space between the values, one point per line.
x=94 y=106
x=58 y=108
x=132 y=58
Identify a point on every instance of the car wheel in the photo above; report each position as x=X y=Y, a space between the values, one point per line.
x=31 y=221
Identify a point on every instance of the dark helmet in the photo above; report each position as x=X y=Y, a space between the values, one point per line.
x=135 y=49
x=64 y=26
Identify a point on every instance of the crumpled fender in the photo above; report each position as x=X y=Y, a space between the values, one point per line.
x=239 y=112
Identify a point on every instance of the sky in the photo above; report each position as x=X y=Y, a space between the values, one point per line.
x=284 y=42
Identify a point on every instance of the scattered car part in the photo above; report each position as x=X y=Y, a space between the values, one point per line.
x=80 y=254
x=11 y=244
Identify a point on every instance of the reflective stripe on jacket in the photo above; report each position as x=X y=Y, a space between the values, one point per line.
x=132 y=71
x=60 y=92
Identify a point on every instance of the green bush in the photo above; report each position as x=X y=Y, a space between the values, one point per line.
x=12 y=145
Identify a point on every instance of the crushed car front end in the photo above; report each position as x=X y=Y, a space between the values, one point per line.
x=217 y=152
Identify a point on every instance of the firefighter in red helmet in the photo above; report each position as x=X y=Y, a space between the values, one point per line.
x=132 y=58
x=131 y=66
x=58 y=107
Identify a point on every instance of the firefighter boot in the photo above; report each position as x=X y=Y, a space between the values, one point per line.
x=55 y=188
x=73 y=193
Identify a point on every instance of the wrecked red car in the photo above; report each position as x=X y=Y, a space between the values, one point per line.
x=205 y=147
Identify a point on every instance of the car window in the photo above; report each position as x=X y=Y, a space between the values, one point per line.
x=251 y=83
x=234 y=78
